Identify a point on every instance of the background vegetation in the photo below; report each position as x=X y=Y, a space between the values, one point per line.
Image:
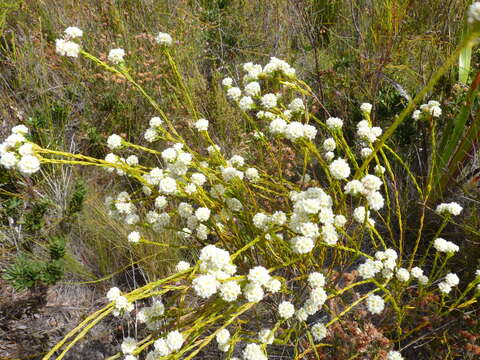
x=349 y=52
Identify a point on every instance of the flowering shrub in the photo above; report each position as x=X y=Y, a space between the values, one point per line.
x=263 y=240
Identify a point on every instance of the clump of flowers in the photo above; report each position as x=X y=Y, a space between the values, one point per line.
x=257 y=240
x=16 y=152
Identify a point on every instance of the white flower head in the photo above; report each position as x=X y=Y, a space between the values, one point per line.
x=253 y=292
x=164 y=39
x=375 y=304
x=202 y=125
x=319 y=331
x=150 y=135
x=302 y=244
x=269 y=101
x=28 y=165
x=20 y=129
x=329 y=144
x=402 y=274
x=259 y=275
x=113 y=294
x=253 y=352
x=72 y=32
x=128 y=345
x=161 y=347
x=223 y=336
x=116 y=56
x=230 y=290
x=339 y=169
x=202 y=214
x=168 y=185
x=246 y=103
x=205 y=285
x=277 y=126
x=452 y=208
x=273 y=285
x=114 y=141
x=474 y=12
x=394 y=355
x=182 y=266
x=67 y=48
x=366 y=108
x=227 y=82
x=175 y=340
x=442 y=245
x=286 y=310
x=316 y=279
x=296 y=106
x=252 y=174
x=8 y=160
x=444 y=287
x=452 y=279
x=132 y=160
x=134 y=237
x=266 y=336
x=334 y=123
x=252 y=89
x=234 y=93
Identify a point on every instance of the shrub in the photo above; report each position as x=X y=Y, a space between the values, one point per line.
x=283 y=255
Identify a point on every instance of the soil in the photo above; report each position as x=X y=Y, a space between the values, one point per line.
x=33 y=321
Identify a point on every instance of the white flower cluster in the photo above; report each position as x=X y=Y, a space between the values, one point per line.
x=215 y=265
x=152 y=133
x=253 y=352
x=319 y=331
x=122 y=305
x=316 y=299
x=128 y=345
x=173 y=342
x=394 y=355
x=450 y=281
x=276 y=66
x=123 y=209
x=367 y=133
x=202 y=125
x=72 y=32
x=366 y=108
x=150 y=315
x=369 y=187
x=223 y=339
x=432 y=108
x=310 y=208
x=114 y=141
x=334 y=123
x=361 y=215
x=293 y=131
x=134 y=237
x=474 y=12
x=385 y=262
x=442 y=245
x=164 y=39
x=286 y=310
x=65 y=46
x=339 y=169
x=116 y=56
x=177 y=160
x=182 y=266
x=280 y=124
x=17 y=153
x=258 y=280
x=266 y=336
x=452 y=208
x=375 y=304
